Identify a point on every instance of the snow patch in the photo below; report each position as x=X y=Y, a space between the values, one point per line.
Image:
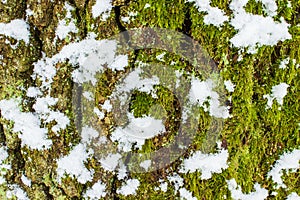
x=202 y=91
x=229 y=86
x=96 y=191
x=145 y=164
x=67 y=25
x=236 y=191
x=102 y=7
x=16 y=191
x=27 y=123
x=129 y=188
x=136 y=132
x=287 y=161
x=206 y=163
x=215 y=16
x=17 y=29
x=278 y=93
x=73 y=164
x=185 y=194
x=293 y=196
x=255 y=30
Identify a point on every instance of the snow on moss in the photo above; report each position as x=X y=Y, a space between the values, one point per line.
x=293 y=196
x=287 y=161
x=137 y=131
x=66 y=25
x=102 y=7
x=206 y=163
x=278 y=93
x=16 y=191
x=236 y=191
x=202 y=91
x=96 y=191
x=27 y=123
x=129 y=188
x=74 y=165
x=214 y=16
x=256 y=30
x=17 y=29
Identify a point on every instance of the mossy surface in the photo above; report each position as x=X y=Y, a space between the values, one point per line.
x=254 y=136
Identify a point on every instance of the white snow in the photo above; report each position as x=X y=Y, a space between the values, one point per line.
x=107 y=106
x=27 y=123
x=236 y=192
x=163 y=186
x=66 y=25
x=3 y=167
x=278 y=93
x=136 y=132
x=206 y=163
x=215 y=16
x=287 y=161
x=89 y=54
x=185 y=194
x=87 y=134
x=293 y=196
x=147 y=5
x=129 y=188
x=96 y=192
x=102 y=7
x=283 y=64
x=201 y=91
x=161 y=56
x=269 y=6
x=111 y=161
x=88 y=95
x=176 y=180
x=42 y=108
x=17 y=29
x=120 y=62
x=15 y=190
x=100 y=114
x=255 y=30
x=3 y=155
x=145 y=164
x=73 y=164
x=229 y=86
x=33 y=92
x=64 y=28
x=26 y=180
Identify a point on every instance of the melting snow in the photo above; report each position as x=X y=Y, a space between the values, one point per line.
x=278 y=93
x=145 y=164
x=73 y=164
x=229 y=86
x=16 y=191
x=67 y=25
x=287 y=161
x=236 y=192
x=97 y=191
x=137 y=131
x=269 y=6
x=200 y=93
x=17 y=29
x=206 y=163
x=185 y=194
x=255 y=30
x=293 y=196
x=27 y=123
x=102 y=7
x=26 y=180
x=215 y=16
x=129 y=187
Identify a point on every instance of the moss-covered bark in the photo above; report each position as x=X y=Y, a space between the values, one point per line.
x=253 y=145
